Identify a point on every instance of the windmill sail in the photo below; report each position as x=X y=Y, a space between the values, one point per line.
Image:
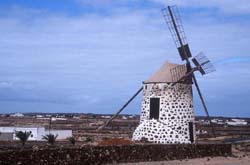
x=205 y=66
x=174 y=23
x=177 y=73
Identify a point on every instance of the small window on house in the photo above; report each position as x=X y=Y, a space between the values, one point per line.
x=154 y=108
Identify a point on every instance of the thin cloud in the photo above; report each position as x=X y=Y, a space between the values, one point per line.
x=98 y=61
x=233 y=60
x=224 y=6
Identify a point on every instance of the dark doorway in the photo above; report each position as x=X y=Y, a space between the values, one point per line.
x=154 y=108
x=191 y=131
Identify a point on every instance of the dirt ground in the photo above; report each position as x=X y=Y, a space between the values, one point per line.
x=200 y=161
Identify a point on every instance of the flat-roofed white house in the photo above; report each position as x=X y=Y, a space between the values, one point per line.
x=37 y=132
x=17 y=115
x=62 y=134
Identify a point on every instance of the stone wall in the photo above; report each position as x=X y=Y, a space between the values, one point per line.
x=176 y=111
x=113 y=154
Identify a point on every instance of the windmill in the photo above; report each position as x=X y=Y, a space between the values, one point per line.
x=159 y=113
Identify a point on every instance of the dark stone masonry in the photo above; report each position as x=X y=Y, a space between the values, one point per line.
x=112 y=154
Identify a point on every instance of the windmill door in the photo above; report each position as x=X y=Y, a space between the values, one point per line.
x=191 y=131
x=154 y=108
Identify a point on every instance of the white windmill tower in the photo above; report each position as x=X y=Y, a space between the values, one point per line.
x=167 y=114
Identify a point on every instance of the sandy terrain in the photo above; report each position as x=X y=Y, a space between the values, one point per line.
x=200 y=161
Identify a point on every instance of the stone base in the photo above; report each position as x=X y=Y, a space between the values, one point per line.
x=158 y=132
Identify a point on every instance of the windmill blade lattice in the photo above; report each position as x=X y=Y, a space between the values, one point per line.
x=204 y=65
x=177 y=73
x=171 y=25
x=173 y=20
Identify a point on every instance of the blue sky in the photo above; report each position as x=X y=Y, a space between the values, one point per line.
x=92 y=55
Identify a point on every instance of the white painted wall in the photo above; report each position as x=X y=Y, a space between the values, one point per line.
x=37 y=132
x=62 y=134
x=33 y=130
x=40 y=133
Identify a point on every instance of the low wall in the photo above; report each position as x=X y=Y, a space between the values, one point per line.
x=113 y=154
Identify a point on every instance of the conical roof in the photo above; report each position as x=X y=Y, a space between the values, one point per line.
x=164 y=75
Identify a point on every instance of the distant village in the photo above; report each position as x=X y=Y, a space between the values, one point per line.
x=82 y=126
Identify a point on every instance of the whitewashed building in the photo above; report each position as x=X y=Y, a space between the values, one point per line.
x=61 y=134
x=37 y=132
x=17 y=115
x=167 y=114
x=236 y=122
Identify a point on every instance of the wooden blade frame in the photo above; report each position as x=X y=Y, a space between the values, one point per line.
x=174 y=23
x=177 y=73
x=203 y=103
x=120 y=110
x=205 y=65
